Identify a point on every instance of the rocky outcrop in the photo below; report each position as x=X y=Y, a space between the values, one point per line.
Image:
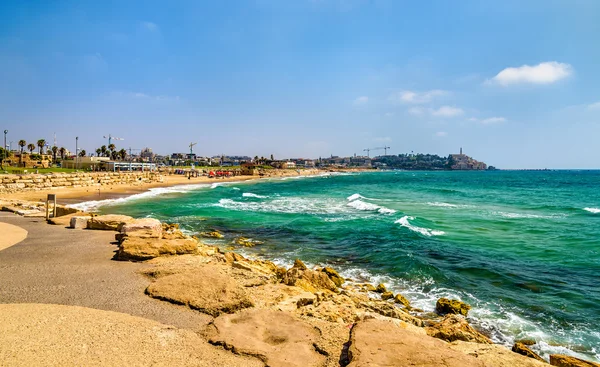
x=79 y=222
x=141 y=249
x=389 y=310
x=205 y=289
x=384 y=343
x=560 y=360
x=522 y=349
x=380 y=288
x=310 y=280
x=452 y=306
x=109 y=222
x=493 y=355
x=143 y=228
x=401 y=300
x=334 y=276
x=387 y=295
x=455 y=327
x=213 y=234
x=277 y=338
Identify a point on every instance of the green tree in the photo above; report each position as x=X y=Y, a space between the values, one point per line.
x=40 y=144
x=82 y=153
x=22 y=144
x=98 y=152
x=31 y=148
x=103 y=150
x=54 y=152
x=111 y=148
x=122 y=154
x=62 y=151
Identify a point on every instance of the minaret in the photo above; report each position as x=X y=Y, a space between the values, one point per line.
x=460 y=150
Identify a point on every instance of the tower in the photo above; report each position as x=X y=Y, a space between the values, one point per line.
x=460 y=150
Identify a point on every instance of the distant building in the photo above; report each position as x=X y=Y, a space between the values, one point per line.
x=463 y=162
x=147 y=155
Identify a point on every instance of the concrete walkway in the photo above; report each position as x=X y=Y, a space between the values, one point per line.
x=10 y=235
x=74 y=267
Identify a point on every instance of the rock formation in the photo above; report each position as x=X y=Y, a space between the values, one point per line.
x=445 y=305
x=455 y=327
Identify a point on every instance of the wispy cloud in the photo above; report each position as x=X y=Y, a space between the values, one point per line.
x=362 y=100
x=594 y=106
x=149 y=26
x=543 y=73
x=416 y=111
x=144 y=96
x=447 y=111
x=441 y=134
x=489 y=120
x=412 y=97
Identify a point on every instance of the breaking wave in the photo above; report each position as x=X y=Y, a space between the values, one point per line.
x=592 y=210
x=251 y=195
x=404 y=222
x=362 y=205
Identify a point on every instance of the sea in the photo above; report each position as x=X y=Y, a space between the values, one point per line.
x=521 y=247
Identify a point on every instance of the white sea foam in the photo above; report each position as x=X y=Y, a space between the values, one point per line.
x=592 y=210
x=93 y=205
x=251 y=195
x=404 y=222
x=287 y=205
x=235 y=188
x=527 y=215
x=354 y=197
x=362 y=205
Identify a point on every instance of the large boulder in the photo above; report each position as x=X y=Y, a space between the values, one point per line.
x=455 y=327
x=401 y=300
x=277 y=338
x=79 y=222
x=205 y=289
x=445 y=305
x=109 y=222
x=144 y=228
x=524 y=350
x=385 y=343
x=310 y=280
x=140 y=249
x=494 y=355
x=560 y=360
x=389 y=310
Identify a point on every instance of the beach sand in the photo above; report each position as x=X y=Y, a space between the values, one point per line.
x=11 y=235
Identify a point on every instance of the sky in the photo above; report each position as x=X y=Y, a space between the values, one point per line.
x=516 y=84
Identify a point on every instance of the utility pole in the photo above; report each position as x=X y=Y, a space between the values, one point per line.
x=4 y=154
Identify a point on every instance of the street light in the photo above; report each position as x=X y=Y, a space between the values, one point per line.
x=4 y=153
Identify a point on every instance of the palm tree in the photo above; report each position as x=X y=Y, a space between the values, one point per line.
x=62 y=152
x=98 y=152
x=112 y=148
x=113 y=155
x=22 y=144
x=122 y=154
x=40 y=144
x=103 y=150
x=82 y=153
x=54 y=151
x=31 y=148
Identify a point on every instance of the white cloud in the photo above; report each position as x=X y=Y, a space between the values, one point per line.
x=361 y=100
x=149 y=26
x=493 y=120
x=543 y=73
x=473 y=119
x=447 y=111
x=594 y=106
x=441 y=134
x=411 y=97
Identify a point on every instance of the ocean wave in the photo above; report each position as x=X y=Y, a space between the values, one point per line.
x=289 y=205
x=443 y=205
x=251 y=195
x=592 y=210
x=94 y=205
x=527 y=216
x=362 y=205
x=355 y=197
x=404 y=222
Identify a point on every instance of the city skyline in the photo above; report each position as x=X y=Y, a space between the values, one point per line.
x=512 y=83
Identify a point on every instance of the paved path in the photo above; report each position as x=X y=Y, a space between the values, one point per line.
x=74 y=267
x=10 y=235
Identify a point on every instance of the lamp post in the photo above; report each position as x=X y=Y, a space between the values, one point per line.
x=76 y=152
x=4 y=151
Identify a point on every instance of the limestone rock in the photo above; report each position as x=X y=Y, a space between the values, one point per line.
x=445 y=305
x=172 y=232
x=527 y=342
x=143 y=228
x=205 y=289
x=389 y=310
x=79 y=222
x=334 y=276
x=494 y=355
x=387 y=295
x=110 y=222
x=136 y=248
x=370 y=288
x=455 y=327
x=560 y=360
x=400 y=299
x=524 y=350
x=384 y=343
x=213 y=234
x=307 y=279
x=275 y=337
x=381 y=288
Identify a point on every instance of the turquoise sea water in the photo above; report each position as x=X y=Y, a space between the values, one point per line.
x=523 y=248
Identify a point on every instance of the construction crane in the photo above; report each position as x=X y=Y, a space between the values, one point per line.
x=192 y=149
x=368 y=150
x=111 y=138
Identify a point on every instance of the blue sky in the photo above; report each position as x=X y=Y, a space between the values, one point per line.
x=515 y=83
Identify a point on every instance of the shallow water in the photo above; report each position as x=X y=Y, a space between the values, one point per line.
x=523 y=248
